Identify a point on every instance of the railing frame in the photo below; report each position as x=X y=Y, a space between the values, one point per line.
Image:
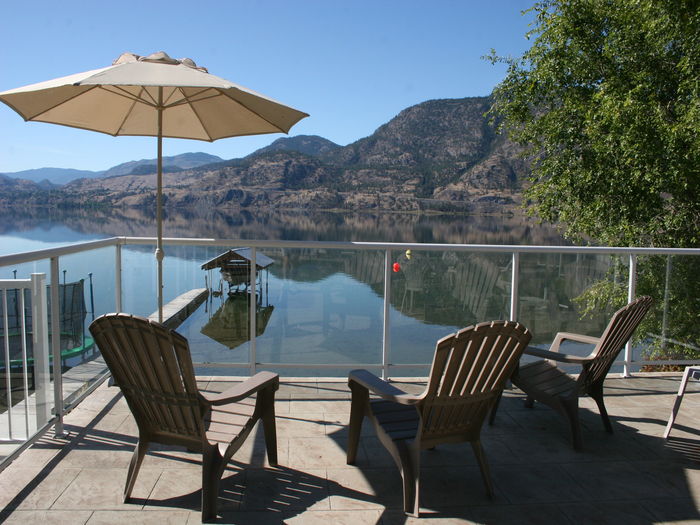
x=386 y=365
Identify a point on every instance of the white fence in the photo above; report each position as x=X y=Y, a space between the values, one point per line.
x=29 y=397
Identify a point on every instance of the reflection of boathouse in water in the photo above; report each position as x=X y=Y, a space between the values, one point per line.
x=229 y=325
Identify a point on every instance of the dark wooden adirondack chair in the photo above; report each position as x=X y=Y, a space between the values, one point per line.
x=153 y=367
x=544 y=381
x=468 y=373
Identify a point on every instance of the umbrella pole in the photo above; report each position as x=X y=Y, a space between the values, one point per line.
x=159 y=206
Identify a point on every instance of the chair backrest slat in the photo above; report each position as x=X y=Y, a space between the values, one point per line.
x=153 y=367
x=469 y=370
x=619 y=330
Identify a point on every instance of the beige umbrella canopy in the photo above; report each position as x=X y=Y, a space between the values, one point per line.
x=153 y=96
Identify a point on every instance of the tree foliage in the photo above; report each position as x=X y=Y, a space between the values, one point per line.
x=607 y=103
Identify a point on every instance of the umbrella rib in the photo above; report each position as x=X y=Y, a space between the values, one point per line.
x=121 y=92
x=189 y=99
x=186 y=99
x=165 y=103
x=134 y=101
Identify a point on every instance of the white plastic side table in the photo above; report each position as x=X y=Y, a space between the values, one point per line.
x=690 y=372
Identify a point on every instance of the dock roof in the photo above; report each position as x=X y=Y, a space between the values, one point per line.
x=262 y=261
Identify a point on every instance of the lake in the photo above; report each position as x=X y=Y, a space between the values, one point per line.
x=29 y=229
x=317 y=306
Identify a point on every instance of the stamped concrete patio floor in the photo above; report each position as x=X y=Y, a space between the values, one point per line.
x=632 y=476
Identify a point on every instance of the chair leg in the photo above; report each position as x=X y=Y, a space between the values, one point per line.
x=597 y=394
x=409 y=459
x=211 y=476
x=483 y=465
x=270 y=427
x=358 y=408
x=134 y=466
x=494 y=408
x=571 y=411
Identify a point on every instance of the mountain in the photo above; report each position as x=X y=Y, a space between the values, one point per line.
x=50 y=177
x=441 y=155
x=312 y=145
x=53 y=175
x=184 y=161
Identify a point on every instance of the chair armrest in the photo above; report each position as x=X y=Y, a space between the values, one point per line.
x=567 y=336
x=239 y=391
x=381 y=388
x=556 y=356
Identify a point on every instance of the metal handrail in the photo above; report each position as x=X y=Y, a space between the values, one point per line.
x=46 y=253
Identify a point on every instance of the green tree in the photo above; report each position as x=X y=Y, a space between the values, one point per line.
x=607 y=104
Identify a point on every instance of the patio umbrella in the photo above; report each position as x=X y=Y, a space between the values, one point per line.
x=153 y=96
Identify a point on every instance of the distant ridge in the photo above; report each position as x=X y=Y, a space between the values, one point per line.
x=61 y=176
x=54 y=175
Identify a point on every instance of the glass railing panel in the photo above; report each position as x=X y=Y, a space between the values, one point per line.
x=25 y=270
x=86 y=291
x=316 y=307
x=435 y=293
x=671 y=330
x=182 y=269
x=94 y=273
x=570 y=292
x=181 y=273
x=322 y=307
x=139 y=279
x=218 y=332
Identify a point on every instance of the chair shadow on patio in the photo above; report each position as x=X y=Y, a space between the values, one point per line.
x=632 y=476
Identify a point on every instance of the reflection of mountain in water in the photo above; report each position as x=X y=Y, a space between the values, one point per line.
x=290 y=225
x=461 y=288
x=229 y=324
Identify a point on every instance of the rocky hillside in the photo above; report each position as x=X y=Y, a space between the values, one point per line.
x=438 y=155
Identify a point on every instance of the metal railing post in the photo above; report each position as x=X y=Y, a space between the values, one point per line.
x=386 y=339
x=514 y=278
x=56 y=348
x=253 y=301
x=667 y=295
x=25 y=360
x=631 y=294
x=118 y=278
x=40 y=348
x=8 y=375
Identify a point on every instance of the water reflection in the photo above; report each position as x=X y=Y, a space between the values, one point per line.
x=229 y=325
x=285 y=225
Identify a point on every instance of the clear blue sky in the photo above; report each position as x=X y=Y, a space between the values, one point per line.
x=351 y=65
